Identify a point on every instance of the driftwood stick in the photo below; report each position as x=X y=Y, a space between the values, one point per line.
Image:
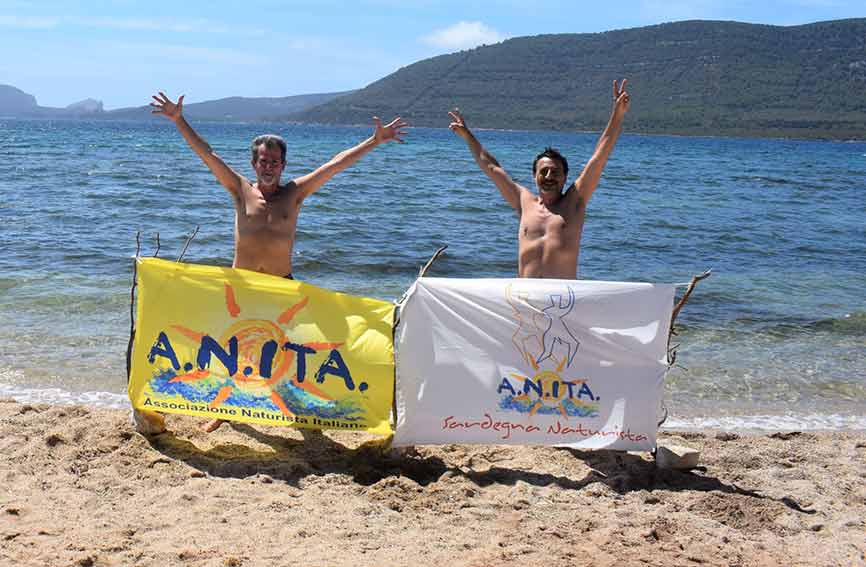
x=663 y=419
x=432 y=259
x=186 y=245
x=689 y=289
x=421 y=273
x=672 y=352
x=132 y=305
x=158 y=245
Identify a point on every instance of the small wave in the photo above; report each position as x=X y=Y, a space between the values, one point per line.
x=810 y=249
x=734 y=237
x=57 y=396
x=784 y=327
x=764 y=179
x=849 y=324
x=671 y=225
x=771 y=422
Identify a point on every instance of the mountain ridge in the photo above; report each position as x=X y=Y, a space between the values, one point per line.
x=697 y=77
x=16 y=103
x=693 y=78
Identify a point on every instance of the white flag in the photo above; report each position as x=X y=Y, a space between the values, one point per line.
x=530 y=361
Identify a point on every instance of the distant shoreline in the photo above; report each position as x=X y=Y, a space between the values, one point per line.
x=818 y=137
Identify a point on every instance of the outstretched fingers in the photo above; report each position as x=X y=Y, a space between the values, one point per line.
x=397 y=123
x=391 y=131
x=159 y=101
x=163 y=105
x=457 y=119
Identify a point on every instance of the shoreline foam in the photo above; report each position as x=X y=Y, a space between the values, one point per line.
x=746 y=422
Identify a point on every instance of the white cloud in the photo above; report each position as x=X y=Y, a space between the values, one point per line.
x=166 y=25
x=188 y=54
x=463 y=35
x=27 y=23
x=822 y=4
x=130 y=24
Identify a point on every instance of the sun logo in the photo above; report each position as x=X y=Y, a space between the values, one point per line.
x=258 y=365
x=546 y=392
x=543 y=337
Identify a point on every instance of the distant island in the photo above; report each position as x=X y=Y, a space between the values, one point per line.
x=17 y=104
x=687 y=78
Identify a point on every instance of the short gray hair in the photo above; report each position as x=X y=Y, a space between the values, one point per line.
x=269 y=141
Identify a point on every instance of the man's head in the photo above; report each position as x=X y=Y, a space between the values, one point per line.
x=268 y=158
x=550 y=170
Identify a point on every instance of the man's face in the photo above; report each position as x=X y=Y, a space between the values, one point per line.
x=549 y=176
x=269 y=165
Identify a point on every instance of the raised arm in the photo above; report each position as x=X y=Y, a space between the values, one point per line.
x=310 y=183
x=591 y=174
x=228 y=177
x=509 y=188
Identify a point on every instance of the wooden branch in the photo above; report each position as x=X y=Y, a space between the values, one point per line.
x=188 y=240
x=432 y=259
x=672 y=354
x=132 y=304
x=664 y=417
x=421 y=274
x=689 y=289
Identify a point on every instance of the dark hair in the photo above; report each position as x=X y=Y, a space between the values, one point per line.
x=269 y=141
x=552 y=154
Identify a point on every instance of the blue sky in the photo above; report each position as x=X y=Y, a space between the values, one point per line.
x=121 y=51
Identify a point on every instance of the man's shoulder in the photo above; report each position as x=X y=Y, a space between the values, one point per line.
x=290 y=191
x=572 y=195
x=524 y=191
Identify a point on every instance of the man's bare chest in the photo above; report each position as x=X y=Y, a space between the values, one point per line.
x=540 y=222
x=256 y=212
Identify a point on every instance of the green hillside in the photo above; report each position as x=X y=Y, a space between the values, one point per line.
x=698 y=77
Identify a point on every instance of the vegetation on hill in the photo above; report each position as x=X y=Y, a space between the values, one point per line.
x=697 y=77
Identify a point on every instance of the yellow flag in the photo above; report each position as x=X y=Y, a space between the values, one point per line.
x=243 y=346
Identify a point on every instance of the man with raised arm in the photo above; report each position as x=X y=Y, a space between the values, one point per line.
x=551 y=222
x=266 y=211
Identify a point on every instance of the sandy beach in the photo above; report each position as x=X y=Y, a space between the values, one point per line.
x=82 y=488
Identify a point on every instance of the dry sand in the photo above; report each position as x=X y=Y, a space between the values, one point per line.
x=80 y=487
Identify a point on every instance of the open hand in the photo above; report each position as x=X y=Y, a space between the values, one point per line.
x=458 y=124
x=163 y=105
x=391 y=131
x=621 y=98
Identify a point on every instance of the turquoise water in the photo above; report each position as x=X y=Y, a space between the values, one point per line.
x=776 y=336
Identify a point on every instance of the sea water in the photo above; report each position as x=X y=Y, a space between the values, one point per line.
x=776 y=338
